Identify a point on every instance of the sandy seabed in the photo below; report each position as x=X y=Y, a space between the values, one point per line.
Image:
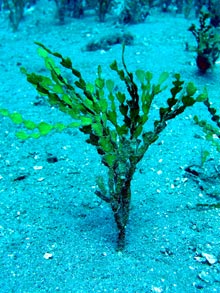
x=55 y=234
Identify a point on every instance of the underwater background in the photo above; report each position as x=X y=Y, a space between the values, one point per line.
x=56 y=235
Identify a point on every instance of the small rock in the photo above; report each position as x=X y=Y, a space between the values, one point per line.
x=52 y=159
x=211 y=259
x=200 y=259
x=204 y=276
x=20 y=177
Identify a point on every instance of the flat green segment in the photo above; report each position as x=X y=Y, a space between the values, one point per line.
x=44 y=128
x=16 y=118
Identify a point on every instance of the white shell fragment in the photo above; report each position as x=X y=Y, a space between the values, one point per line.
x=48 y=255
x=156 y=289
x=38 y=167
x=211 y=259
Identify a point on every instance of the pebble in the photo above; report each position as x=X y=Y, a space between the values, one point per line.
x=205 y=276
x=48 y=255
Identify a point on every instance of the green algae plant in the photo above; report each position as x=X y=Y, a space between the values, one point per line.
x=113 y=121
x=212 y=134
x=103 y=8
x=208 y=42
x=212 y=131
x=16 y=11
